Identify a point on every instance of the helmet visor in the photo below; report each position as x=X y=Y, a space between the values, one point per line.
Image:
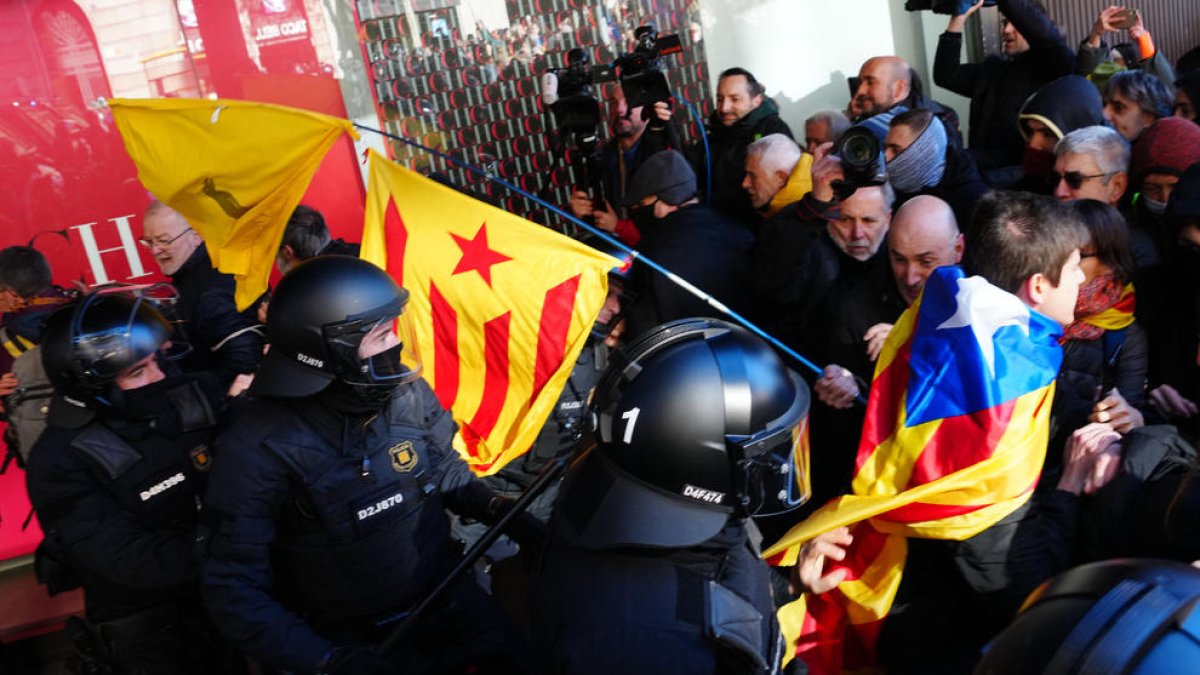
x=774 y=464
x=380 y=351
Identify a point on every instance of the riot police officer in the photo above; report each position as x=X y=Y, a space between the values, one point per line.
x=331 y=499
x=116 y=480
x=653 y=562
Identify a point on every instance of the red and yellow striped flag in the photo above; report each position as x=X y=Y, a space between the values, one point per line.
x=503 y=306
x=954 y=440
x=234 y=169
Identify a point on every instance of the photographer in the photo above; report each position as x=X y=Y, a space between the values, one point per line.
x=636 y=135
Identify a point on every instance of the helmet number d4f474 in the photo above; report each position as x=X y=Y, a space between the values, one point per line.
x=631 y=415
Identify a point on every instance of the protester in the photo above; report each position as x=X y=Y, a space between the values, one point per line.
x=921 y=161
x=1134 y=100
x=688 y=238
x=824 y=126
x=743 y=114
x=1055 y=110
x=223 y=340
x=1034 y=53
x=778 y=173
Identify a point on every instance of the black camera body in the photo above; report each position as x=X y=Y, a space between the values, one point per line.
x=862 y=161
x=641 y=71
x=952 y=7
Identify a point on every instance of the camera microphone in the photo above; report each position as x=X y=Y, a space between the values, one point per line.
x=549 y=88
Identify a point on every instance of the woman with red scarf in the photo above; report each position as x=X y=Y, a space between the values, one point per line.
x=1105 y=357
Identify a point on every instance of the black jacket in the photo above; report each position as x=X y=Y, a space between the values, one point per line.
x=701 y=246
x=727 y=159
x=954 y=596
x=329 y=519
x=801 y=277
x=223 y=340
x=118 y=499
x=633 y=610
x=1085 y=370
x=998 y=87
x=960 y=187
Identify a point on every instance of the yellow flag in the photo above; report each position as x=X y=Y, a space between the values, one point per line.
x=234 y=169
x=503 y=306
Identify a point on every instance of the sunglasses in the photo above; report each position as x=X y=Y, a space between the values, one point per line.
x=1074 y=179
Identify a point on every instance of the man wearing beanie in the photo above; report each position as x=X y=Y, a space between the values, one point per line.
x=689 y=239
x=1160 y=155
x=920 y=161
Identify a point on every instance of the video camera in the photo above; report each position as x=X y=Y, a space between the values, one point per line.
x=862 y=161
x=641 y=71
x=952 y=7
x=568 y=94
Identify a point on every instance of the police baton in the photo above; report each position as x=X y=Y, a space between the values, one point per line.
x=410 y=619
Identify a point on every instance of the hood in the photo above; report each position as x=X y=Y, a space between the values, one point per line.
x=1064 y=105
x=798 y=184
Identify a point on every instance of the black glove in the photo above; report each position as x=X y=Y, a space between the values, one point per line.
x=527 y=531
x=358 y=661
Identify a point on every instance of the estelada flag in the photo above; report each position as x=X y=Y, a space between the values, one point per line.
x=234 y=169
x=954 y=440
x=503 y=306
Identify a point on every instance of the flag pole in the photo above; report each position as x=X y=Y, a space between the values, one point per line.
x=618 y=244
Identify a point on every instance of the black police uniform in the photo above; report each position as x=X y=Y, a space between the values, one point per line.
x=118 y=500
x=334 y=524
x=703 y=609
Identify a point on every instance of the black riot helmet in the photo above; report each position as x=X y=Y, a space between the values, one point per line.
x=697 y=422
x=318 y=316
x=620 y=288
x=88 y=343
x=1135 y=616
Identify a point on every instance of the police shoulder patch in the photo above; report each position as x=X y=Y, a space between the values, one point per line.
x=404 y=458
x=201 y=457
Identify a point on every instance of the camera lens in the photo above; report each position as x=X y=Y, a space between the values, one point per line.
x=859 y=148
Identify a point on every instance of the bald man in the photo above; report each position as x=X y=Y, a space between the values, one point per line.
x=924 y=235
x=883 y=82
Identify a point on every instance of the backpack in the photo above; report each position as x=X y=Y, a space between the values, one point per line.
x=28 y=407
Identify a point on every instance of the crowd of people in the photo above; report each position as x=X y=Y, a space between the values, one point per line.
x=276 y=489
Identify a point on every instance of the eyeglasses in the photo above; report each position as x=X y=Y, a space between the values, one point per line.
x=1074 y=179
x=162 y=243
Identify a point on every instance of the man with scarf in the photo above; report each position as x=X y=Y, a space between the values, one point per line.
x=689 y=239
x=947 y=534
x=329 y=513
x=1055 y=110
x=744 y=114
x=920 y=161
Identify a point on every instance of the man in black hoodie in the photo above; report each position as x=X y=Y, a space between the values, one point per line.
x=743 y=115
x=1035 y=52
x=1066 y=104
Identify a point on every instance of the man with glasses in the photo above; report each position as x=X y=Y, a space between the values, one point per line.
x=1091 y=163
x=223 y=340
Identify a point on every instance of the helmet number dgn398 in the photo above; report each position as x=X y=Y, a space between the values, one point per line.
x=632 y=416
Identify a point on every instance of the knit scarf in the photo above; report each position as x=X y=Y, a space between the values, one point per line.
x=1103 y=304
x=922 y=164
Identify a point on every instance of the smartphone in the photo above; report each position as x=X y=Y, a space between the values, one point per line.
x=1125 y=19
